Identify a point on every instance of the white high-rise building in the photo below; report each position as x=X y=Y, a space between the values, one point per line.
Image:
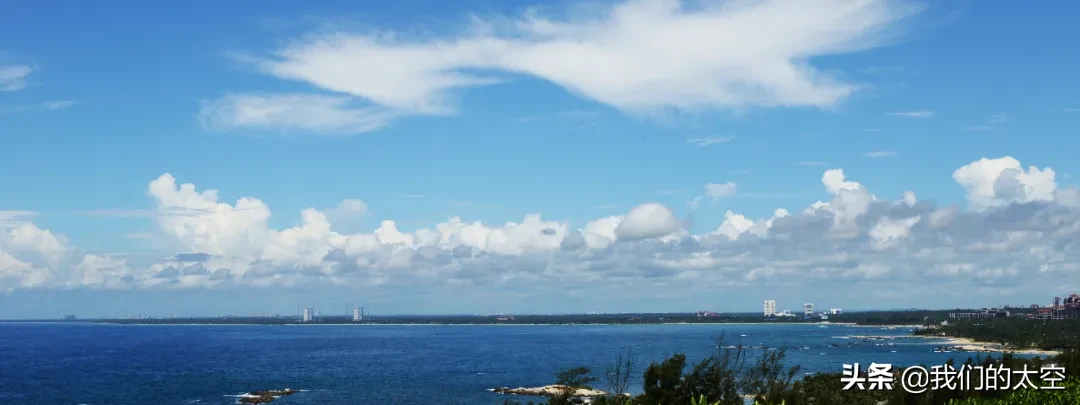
x=308 y=314
x=770 y=308
x=356 y=315
x=808 y=310
x=834 y=311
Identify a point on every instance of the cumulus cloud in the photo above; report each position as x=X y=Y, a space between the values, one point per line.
x=909 y=198
x=13 y=77
x=992 y=182
x=640 y=56
x=650 y=220
x=889 y=232
x=907 y=245
x=28 y=255
x=834 y=181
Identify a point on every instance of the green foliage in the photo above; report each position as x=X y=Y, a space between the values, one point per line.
x=1068 y=396
x=767 y=380
x=1015 y=332
x=733 y=373
x=579 y=377
x=618 y=374
x=719 y=379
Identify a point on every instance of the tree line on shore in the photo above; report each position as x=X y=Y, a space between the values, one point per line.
x=1014 y=332
x=735 y=374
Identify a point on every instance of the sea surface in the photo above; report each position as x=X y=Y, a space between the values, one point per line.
x=67 y=363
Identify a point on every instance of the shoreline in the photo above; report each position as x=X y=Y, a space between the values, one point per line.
x=970 y=345
x=965 y=344
x=839 y=324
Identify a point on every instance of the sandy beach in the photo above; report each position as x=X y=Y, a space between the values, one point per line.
x=964 y=344
x=969 y=345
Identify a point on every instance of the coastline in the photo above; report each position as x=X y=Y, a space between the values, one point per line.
x=839 y=324
x=970 y=345
x=966 y=344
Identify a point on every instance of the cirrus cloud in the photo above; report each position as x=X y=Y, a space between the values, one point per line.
x=639 y=56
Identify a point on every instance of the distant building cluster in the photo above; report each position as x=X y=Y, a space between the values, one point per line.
x=707 y=314
x=808 y=312
x=504 y=318
x=985 y=313
x=1061 y=310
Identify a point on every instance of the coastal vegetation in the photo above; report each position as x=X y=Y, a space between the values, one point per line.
x=735 y=374
x=1015 y=332
x=1068 y=396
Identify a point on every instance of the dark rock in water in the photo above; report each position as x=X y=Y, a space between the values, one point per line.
x=550 y=391
x=264 y=397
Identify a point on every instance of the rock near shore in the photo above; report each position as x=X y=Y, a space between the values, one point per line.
x=264 y=397
x=550 y=391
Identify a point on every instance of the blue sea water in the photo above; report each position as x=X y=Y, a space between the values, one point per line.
x=65 y=363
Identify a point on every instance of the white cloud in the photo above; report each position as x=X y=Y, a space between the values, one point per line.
x=12 y=217
x=991 y=182
x=650 y=220
x=909 y=198
x=709 y=140
x=60 y=104
x=880 y=153
x=349 y=210
x=834 y=181
x=640 y=56
x=908 y=245
x=13 y=77
x=601 y=232
x=992 y=123
x=306 y=113
x=101 y=272
x=714 y=192
x=912 y=114
x=890 y=232
x=734 y=225
x=215 y=227
x=999 y=119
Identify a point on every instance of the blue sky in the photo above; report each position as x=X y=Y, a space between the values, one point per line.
x=490 y=111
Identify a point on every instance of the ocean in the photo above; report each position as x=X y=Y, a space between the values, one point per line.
x=98 y=364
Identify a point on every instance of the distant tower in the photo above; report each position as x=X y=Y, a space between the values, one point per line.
x=356 y=314
x=770 y=308
x=808 y=310
x=361 y=314
x=308 y=314
x=1057 y=301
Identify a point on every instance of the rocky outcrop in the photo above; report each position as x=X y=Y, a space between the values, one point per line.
x=264 y=397
x=550 y=391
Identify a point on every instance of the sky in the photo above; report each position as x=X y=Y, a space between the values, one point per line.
x=486 y=156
